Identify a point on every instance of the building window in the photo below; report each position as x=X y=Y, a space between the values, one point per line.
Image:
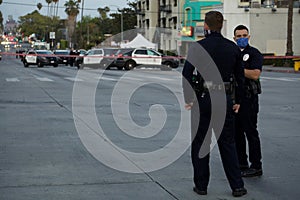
x=175 y=3
x=163 y=22
x=175 y=22
x=147 y=5
x=244 y=3
x=147 y=23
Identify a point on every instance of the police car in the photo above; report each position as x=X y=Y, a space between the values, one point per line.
x=40 y=58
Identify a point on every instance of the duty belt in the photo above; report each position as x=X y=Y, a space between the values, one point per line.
x=209 y=86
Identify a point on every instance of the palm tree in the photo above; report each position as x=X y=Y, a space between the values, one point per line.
x=103 y=12
x=72 y=10
x=39 y=6
x=289 y=43
x=48 y=2
x=56 y=2
x=1 y=19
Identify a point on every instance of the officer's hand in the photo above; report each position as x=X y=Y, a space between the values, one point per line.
x=188 y=106
x=236 y=108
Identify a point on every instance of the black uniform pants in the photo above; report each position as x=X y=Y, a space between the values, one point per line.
x=246 y=127
x=226 y=144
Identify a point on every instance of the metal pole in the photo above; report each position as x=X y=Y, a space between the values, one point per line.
x=121 y=21
x=122 y=26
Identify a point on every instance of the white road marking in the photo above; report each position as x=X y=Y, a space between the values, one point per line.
x=73 y=79
x=12 y=80
x=106 y=78
x=280 y=79
x=44 y=79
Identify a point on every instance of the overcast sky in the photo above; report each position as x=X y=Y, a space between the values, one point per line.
x=18 y=8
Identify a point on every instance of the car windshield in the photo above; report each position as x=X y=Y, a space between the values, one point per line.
x=110 y=51
x=44 y=52
x=61 y=52
x=124 y=51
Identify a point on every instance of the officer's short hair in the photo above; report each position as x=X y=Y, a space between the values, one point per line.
x=240 y=27
x=214 y=20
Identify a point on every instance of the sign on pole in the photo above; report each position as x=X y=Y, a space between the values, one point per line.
x=52 y=35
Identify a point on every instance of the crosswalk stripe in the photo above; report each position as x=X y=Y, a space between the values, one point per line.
x=73 y=79
x=106 y=78
x=44 y=79
x=12 y=80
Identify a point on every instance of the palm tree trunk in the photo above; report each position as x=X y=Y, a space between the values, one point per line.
x=57 y=9
x=289 y=44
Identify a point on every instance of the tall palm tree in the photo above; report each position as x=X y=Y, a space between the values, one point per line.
x=72 y=10
x=39 y=6
x=103 y=12
x=48 y=2
x=56 y=2
x=1 y=19
x=289 y=43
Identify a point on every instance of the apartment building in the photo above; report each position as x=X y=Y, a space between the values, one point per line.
x=158 y=20
x=164 y=21
x=173 y=24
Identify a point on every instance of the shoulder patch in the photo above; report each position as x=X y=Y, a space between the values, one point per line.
x=246 y=57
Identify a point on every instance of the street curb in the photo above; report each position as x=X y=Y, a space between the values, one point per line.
x=282 y=70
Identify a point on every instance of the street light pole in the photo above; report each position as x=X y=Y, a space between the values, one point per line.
x=122 y=26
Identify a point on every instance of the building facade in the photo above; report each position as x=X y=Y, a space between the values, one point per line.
x=10 y=26
x=267 y=21
x=173 y=24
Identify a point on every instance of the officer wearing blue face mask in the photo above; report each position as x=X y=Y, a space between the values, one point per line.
x=246 y=119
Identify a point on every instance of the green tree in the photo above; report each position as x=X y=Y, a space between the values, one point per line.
x=72 y=10
x=39 y=24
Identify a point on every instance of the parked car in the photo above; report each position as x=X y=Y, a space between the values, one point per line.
x=138 y=56
x=40 y=58
x=170 y=61
x=63 y=56
x=109 y=57
x=99 y=58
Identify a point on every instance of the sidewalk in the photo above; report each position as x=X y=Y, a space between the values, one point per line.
x=271 y=68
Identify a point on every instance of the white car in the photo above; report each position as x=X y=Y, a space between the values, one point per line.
x=40 y=58
x=94 y=56
x=139 y=56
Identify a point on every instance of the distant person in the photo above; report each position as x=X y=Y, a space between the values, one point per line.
x=72 y=57
x=227 y=57
x=246 y=119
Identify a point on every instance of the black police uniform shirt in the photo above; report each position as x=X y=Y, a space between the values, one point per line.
x=252 y=58
x=227 y=57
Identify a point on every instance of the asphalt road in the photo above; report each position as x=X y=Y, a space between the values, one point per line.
x=49 y=138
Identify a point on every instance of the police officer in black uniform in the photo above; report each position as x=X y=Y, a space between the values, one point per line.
x=246 y=119
x=227 y=58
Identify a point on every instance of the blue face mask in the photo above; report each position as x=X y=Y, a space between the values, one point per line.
x=242 y=42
